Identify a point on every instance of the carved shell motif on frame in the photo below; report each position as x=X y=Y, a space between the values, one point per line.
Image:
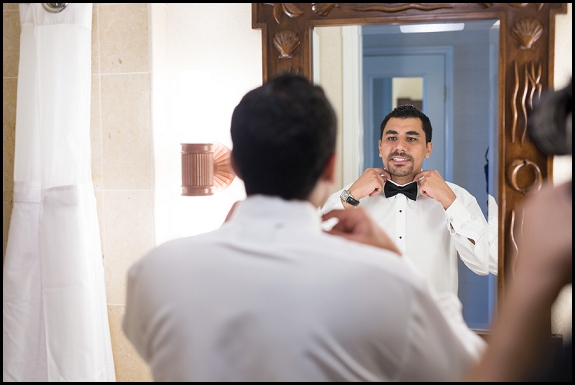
x=527 y=37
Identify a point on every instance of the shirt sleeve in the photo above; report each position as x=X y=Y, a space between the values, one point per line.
x=441 y=347
x=492 y=221
x=466 y=221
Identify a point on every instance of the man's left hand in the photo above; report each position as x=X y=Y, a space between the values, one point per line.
x=432 y=185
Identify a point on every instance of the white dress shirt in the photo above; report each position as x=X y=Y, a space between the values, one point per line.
x=430 y=236
x=492 y=221
x=270 y=297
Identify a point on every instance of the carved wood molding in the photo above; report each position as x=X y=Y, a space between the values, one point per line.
x=526 y=84
x=513 y=176
x=399 y=8
x=527 y=35
x=526 y=32
x=286 y=42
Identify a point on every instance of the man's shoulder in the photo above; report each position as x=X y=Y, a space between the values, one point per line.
x=167 y=253
x=457 y=189
x=454 y=185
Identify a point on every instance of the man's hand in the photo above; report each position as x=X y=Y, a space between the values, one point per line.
x=369 y=183
x=356 y=225
x=431 y=184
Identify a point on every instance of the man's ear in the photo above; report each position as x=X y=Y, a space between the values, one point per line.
x=234 y=167
x=429 y=146
x=328 y=173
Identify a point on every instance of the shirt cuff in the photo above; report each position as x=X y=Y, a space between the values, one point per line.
x=457 y=215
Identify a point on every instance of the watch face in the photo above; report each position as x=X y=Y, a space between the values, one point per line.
x=346 y=197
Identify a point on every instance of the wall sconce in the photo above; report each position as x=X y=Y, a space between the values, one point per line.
x=206 y=168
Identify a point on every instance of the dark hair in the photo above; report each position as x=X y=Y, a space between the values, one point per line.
x=408 y=111
x=549 y=126
x=283 y=134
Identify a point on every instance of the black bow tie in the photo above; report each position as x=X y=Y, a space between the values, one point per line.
x=409 y=190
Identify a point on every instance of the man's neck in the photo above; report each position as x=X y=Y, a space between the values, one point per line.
x=320 y=193
x=401 y=180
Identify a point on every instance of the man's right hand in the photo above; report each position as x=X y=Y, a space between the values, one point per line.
x=369 y=183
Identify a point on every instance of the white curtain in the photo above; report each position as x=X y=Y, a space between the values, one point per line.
x=54 y=311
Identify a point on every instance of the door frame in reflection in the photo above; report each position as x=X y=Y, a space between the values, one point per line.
x=435 y=66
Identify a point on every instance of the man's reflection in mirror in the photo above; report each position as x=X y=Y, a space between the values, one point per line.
x=433 y=222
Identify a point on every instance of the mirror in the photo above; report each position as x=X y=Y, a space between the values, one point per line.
x=525 y=68
x=435 y=70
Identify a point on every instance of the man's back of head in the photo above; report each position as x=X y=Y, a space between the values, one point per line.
x=283 y=134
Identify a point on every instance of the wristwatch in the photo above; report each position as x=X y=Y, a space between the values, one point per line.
x=347 y=198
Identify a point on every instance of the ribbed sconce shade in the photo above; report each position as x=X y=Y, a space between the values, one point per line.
x=206 y=168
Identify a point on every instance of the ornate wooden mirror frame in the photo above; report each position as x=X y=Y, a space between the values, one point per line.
x=527 y=38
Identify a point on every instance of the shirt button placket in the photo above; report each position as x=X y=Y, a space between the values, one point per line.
x=400 y=222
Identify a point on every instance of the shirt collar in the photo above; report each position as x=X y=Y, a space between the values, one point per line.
x=276 y=210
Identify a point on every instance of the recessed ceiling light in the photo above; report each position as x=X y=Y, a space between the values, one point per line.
x=440 y=27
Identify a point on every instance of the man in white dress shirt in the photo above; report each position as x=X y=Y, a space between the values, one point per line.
x=270 y=296
x=432 y=221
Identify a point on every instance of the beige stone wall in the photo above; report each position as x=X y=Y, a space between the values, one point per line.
x=10 y=59
x=121 y=129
